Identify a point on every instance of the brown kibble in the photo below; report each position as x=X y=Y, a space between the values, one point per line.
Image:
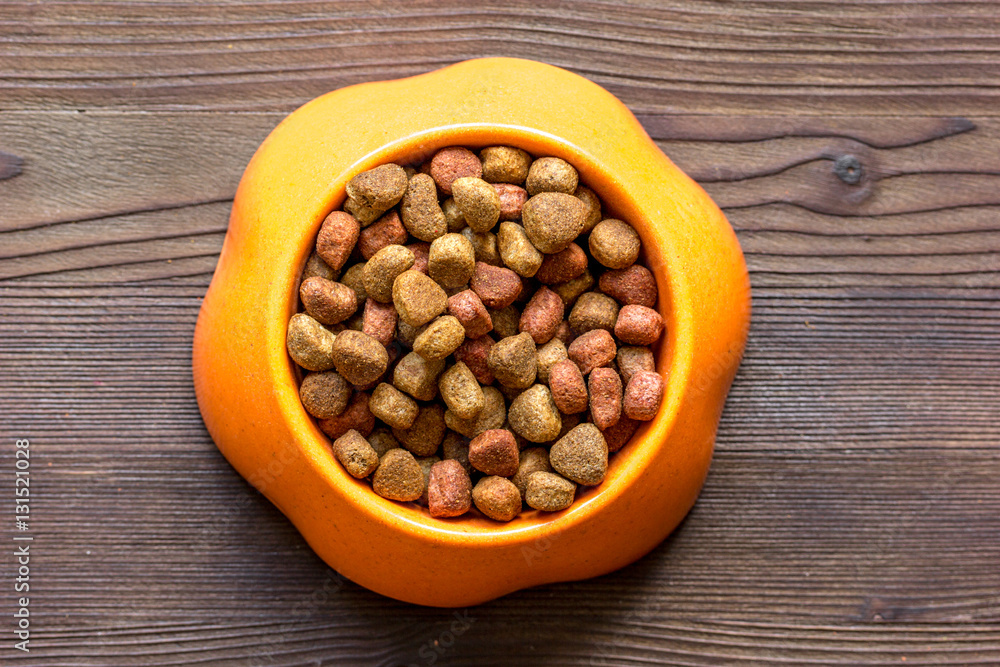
x=382 y=269
x=449 y=490
x=593 y=204
x=614 y=244
x=484 y=246
x=531 y=460
x=324 y=395
x=461 y=392
x=359 y=357
x=379 y=321
x=605 y=386
x=326 y=301
x=618 y=435
x=493 y=415
x=494 y=452
x=426 y=463
x=505 y=321
x=571 y=290
x=393 y=406
x=451 y=260
x=549 y=492
x=354 y=278
x=631 y=360
x=398 y=476
x=563 y=266
x=418 y=376
x=421 y=212
x=474 y=353
x=315 y=266
x=564 y=333
x=452 y=163
x=356 y=416
x=440 y=338
x=387 y=231
x=496 y=286
x=453 y=216
x=542 y=315
x=581 y=455
x=534 y=415
x=592 y=350
x=479 y=202
x=336 y=238
x=468 y=308
x=497 y=498
x=632 y=285
x=551 y=174
x=371 y=193
x=549 y=355
x=504 y=164
x=593 y=310
x=355 y=454
x=309 y=343
x=638 y=325
x=512 y=199
x=418 y=298
x=421 y=255
x=517 y=251
x=643 y=395
x=514 y=362
x=455 y=446
x=569 y=390
x=552 y=220
x=424 y=436
x=382 y=441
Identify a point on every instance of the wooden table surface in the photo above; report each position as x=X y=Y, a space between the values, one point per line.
x=852 y=514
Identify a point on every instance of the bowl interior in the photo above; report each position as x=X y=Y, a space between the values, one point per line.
x=617 y=202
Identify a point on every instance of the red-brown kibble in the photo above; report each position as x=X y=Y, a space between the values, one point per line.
x=592 y=350
x=452 y=163
x=564 y=332
x=327 y=301
x=542 y=316
x=496 y=286
x=569 y=391
x=356 y=416
x=474 y=354
x=494 y=452
x=380 y=321
x=638 y=325
x=336 y=239
x=421 y=254
x=449 y=491
x=468 y=308
x=512 y=198
x=605 y=397
x=644 y=395
x=563 y=266
x=618 y=435
x=388 y=230
x=634 y=285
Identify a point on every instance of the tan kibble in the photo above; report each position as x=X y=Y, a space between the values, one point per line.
x=478 y=201
x=452 y=163
x=358 y=357
x=336 y=238
x=398 y=476
x=531 y=460
x=593 y=204
x=355 y=454
x=356 y=416
x=494 y=452
x=541 y=317
x=453 y=216
x=354 y=277
x=591 y=350
x=493 y=415
x=497 y=498
x=549 y=492
x=534 y=415
x=418 y=298
x=418 y=376
x=327 y=301
x=382 y=441
x=484 y=246
x=387 y=231
x=638 y=325
x=551 y=174
x=315 y=266
x=505 y=321
x=421 y=213
x=614 y=244
x=324 y=395
x=633 y=359
x=424 y=436
x=309 y=343
x=505 y=164
x=514 y=361
x=549 y=355
x=605 y=388
x=461 y=392
x=517 y=251
x=382 y=269
x=451 y=260
x=371 y=193
x=552 y=220
x=393 y=406
x=440 y=338
x=455 y=446
x=571 y=290
x=581 y=455
x=593 y=310
x=643 y=395
x=449 y=489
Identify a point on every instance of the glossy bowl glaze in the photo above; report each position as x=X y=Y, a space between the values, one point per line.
x=246 y=383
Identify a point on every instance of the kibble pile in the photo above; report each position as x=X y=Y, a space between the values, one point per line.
x=460 y=349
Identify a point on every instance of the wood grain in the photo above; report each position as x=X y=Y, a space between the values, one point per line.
x=852 y=514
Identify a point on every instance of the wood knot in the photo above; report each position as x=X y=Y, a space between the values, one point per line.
x=848 y=169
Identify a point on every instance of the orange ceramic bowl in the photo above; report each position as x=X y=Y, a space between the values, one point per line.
x=246 y=384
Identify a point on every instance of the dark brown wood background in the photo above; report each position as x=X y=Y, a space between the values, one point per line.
x=852 y=515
